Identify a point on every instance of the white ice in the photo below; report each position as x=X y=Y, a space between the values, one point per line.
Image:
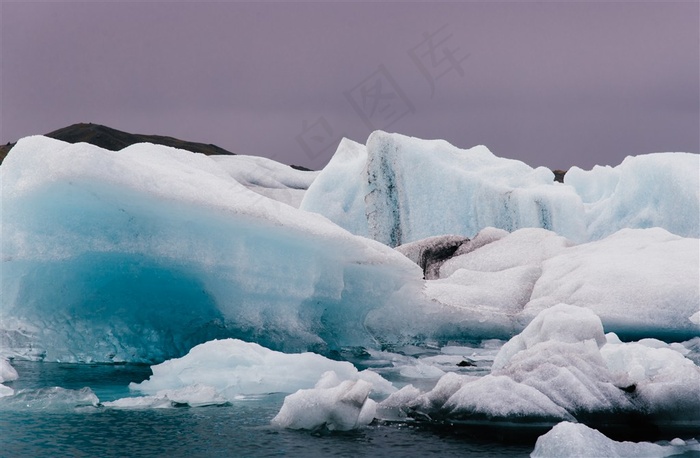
x=7 y=374
x=338 y=192
x=332 y=404
x=267 y=177
x=575 y=440
x=400 y=189
x=234 y=368
x=640 y=282
x=562 y=367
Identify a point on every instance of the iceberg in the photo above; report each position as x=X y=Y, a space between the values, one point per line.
x=569 y=440
x=141 y=254
x=398 y=189
x=640 y=282
x=562 y=367
x=234 y=368
x=666 y=383
x=332 y=404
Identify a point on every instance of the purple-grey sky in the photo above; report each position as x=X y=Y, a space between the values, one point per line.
x=549 y=83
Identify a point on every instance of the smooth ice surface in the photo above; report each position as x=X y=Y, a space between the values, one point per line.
x=139 y=255
x=569 y=440
x=234 y=368
x=400 y=189
x=638 y=281
x=267 y=177
x=7 y=372
x=332 y=404
x=338 y=192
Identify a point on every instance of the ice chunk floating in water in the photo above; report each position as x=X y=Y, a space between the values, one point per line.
x=570 y=440
x=561 y=367
x=139 y=255
x=400 y=189
x=332 y=404
x=54 y=399
x=234 y=368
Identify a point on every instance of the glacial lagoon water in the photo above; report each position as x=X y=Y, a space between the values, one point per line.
x=241 y=429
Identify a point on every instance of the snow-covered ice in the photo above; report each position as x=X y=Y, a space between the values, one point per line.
x=332 y=404
x=268 y=178
x=666 y=384
x=640 y=282
x=563 y=367
x=234 y=368
x=575 y=440
x=499 y=251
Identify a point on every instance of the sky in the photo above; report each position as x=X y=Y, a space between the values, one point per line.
x=555 y=83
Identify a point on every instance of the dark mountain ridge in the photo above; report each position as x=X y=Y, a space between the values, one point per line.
x=115 y=140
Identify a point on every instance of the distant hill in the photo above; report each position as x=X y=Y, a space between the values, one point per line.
x=114 y=140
